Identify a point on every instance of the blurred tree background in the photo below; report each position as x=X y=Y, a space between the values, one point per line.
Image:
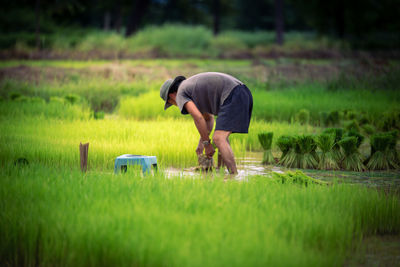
x=366 y=24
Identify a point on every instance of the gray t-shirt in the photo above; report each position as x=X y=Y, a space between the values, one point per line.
x=207 y=90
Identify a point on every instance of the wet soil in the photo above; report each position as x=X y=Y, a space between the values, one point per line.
x=380 y=250
x=250 y=165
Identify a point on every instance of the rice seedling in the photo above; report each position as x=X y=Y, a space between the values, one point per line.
x=352 y=159
x=333 y=118
x=327 y=159
x=57 y=216
x=390 y=121
x=368 y=129
x=303 y=116
x=337 y=134
x=266 y=143
x=357 y=135
x=352 y=125
x=306 y=156
x=379 y=152
x=392 y=154
x=296 y=177
x=287 y=144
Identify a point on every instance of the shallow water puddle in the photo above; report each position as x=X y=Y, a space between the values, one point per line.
x=250 y=165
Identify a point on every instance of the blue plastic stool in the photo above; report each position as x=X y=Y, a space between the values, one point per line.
x=122 y=162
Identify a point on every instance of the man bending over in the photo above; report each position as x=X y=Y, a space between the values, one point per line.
x=210 y=94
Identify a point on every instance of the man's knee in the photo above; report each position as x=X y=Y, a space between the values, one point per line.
x=220 y=138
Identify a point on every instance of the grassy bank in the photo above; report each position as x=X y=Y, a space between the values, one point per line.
x=60 y=217
x=155 y=41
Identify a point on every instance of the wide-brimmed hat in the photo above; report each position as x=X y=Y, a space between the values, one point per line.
x=166 y=87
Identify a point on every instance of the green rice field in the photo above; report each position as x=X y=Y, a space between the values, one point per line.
x=52 y=214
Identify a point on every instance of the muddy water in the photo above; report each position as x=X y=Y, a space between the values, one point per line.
x=250 y=165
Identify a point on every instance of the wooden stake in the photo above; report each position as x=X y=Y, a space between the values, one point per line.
x=84 y=149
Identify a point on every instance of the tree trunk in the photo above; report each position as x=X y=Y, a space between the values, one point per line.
x=136 y=15
x=279 y=21
x=107 y=21
x=216 y=13
x=37 y=22
x=118 y=19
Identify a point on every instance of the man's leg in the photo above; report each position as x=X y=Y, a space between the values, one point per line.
x=221 y=163
x=220 y=139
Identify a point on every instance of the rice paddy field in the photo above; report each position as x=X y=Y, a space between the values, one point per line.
x=52 y=214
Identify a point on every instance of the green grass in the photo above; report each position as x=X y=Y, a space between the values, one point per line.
x=57 y=216
x=52 y=214
x=188 y=41
x=55 y=142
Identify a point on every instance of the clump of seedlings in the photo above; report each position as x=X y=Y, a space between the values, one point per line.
x=352 y=125
x=327 y=159
x=266 y=143
x=337 y=135
x=379 y=159
x=306 y=156
x=303 y=116
x=286 y=144
x=357 y=135
x=296 y=177
x=352 y=159
x=393 y=156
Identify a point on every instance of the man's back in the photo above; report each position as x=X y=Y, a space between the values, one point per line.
x=207 y=90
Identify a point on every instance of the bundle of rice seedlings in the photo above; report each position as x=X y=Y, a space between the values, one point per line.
x=357 y=135
x=337 y=134
x=390 y=120
x=352 y=159
x=306 y=156
x=296 y=177
x=352 y=126
x=333 y=118
x=266 y=143
x=303 y=116
x=392 y=155
x=379 y=156
x=368 y=129
x=287 y=144
x=327 y=159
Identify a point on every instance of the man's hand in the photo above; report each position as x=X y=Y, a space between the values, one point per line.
x=200 y=148
x=209 y=150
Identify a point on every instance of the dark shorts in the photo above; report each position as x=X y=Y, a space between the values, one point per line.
x=235 y=113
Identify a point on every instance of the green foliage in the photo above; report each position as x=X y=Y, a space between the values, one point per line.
x=15 y=95
x=303 y=116
x=102 y=41
x=227 y=46
x=187 y=40
x=286 y=144
x=337 y=134
x=99 y=115
x=368 y=129
x=390 y=121
x=306 y=156
x=72 y=98
x=352 y=126
x=266 y=143
x=20 y=111
x=352 y=159
x=107 y=220
x=327 y=160
x=296 y=177
x=379 y=152
x=360 y=138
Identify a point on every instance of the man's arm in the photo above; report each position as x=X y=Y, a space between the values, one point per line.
x=209 y=118
x=201 y=125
